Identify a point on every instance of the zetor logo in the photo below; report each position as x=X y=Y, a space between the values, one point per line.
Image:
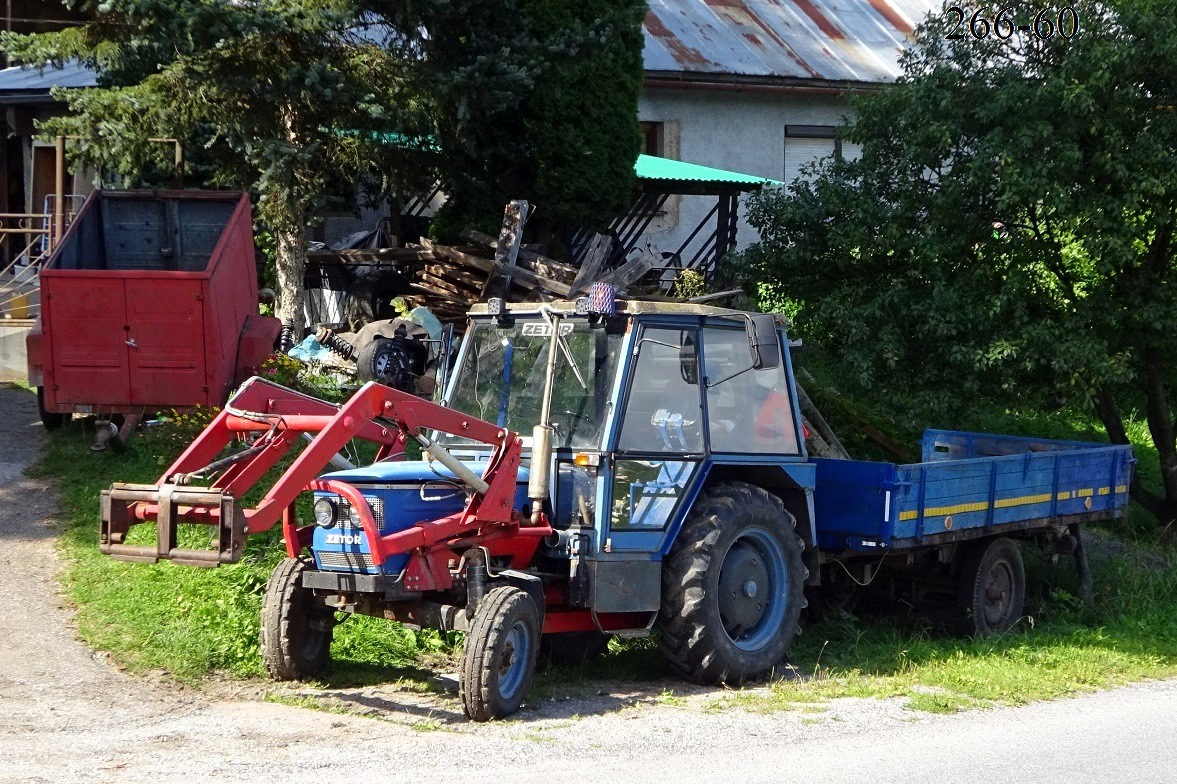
x=539 y=329
x=345 y=538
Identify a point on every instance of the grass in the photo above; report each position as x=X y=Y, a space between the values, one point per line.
x=191 y=622
x=1062 y=647
x=188 y=621
x=309 y=703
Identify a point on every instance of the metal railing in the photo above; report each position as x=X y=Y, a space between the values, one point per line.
x=26 y=240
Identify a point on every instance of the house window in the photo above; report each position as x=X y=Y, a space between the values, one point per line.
x=653 y=138
x=805 y=144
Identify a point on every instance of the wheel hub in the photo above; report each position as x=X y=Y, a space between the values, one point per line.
x=516 y=653
x=744 y=572
x=998 y=589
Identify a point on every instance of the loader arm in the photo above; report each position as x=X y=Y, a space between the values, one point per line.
x=268 y=418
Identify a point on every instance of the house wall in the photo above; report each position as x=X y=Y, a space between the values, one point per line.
x=732 y=130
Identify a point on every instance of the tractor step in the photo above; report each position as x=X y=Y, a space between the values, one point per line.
x=127 y=505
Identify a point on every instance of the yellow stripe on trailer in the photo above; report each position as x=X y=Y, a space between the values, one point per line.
x=1006 y=503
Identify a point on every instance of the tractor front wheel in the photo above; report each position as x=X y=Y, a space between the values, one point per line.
x=732 y=587
x=296 y=631
x=499 y=658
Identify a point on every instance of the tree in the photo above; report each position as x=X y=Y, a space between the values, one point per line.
x=297 y=100
x=287 y=98
x=1008 y=232
x=535 y=99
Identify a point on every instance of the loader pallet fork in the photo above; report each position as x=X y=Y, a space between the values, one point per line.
x=268 y=419
x=172 y=503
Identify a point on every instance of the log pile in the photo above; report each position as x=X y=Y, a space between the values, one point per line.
x=455 y=277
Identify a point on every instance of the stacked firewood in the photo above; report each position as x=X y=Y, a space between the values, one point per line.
x=455 y=277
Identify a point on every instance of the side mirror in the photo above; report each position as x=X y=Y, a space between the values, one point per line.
x=763 y=340
x=688 y=359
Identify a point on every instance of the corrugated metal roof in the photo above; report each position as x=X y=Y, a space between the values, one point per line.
x=650 y=167
x=26 y=79
x=835 y=40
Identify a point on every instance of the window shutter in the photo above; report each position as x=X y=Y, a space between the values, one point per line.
x=800 y=150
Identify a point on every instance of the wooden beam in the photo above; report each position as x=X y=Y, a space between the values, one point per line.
x=498 y=282
x=374 y=256
x=631 y=271
x=519 y=273
x=592 y=264
x=541 y=265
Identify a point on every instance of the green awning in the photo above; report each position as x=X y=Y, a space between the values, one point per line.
x=649 y=167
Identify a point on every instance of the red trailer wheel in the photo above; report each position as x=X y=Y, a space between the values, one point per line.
x=50 y=420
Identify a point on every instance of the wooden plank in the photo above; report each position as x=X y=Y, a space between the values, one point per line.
x=459 y=274
x=521 y=275
x=458 y=291
x=507 y=248
x=443 y=297
x=593 y=262
x=632 y=271
x=539 y=264
x=370 y=256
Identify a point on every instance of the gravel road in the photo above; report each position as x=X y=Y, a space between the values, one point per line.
x=67 y=715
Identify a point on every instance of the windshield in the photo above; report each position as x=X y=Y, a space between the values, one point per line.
x=501 y=379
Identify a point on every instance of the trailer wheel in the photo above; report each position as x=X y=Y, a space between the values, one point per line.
x=732 y=587
x=296 y=633
x=500 y=653
x=992 y=587
x=573 y=649
x=50 y=420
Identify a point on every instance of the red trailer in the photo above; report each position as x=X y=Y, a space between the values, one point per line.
x=149 y=301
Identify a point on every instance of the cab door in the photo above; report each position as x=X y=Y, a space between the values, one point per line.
x=659 y=444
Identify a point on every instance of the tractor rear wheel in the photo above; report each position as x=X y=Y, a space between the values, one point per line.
x=499 y=658
x=732 y=587
x=296 y=631
x=992 y=588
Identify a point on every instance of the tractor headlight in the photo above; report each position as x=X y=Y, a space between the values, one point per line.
x=325 y=512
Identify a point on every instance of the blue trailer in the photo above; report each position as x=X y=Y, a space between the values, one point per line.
x=971 y=492
x=610 y=467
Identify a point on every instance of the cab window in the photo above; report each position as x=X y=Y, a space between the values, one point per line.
x=749 y=411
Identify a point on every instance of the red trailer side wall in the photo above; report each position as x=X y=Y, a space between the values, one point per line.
x=143 y=339
x=232 y=297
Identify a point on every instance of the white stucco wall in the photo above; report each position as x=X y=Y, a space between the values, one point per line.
x=737 y=131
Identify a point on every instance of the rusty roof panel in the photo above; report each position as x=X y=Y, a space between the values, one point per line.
x=837 y=40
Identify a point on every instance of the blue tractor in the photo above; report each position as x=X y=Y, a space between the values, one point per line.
x=639 y=466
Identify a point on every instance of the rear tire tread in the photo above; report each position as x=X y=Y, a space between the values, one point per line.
x=692 y=648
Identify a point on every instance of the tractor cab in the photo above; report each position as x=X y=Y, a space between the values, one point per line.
x=644 y=403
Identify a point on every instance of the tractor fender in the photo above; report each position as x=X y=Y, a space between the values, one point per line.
x=793 y=483
x=529 y=583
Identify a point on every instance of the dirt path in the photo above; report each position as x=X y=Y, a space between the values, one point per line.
x=66 y=715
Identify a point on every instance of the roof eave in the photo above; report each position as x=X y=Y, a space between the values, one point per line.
x=685 y=80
